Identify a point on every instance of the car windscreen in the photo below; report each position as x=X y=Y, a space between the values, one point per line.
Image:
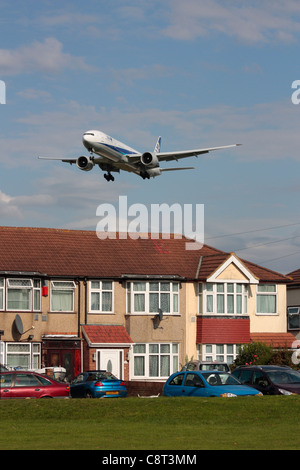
x=220 y=378
x=283 y=377
x=101 y=376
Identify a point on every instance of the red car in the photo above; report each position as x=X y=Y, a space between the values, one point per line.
x=24 y=384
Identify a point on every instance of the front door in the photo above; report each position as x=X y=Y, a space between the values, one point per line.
x=69 y=359
x=111 y=360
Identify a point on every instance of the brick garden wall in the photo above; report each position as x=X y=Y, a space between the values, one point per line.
x=144 y=388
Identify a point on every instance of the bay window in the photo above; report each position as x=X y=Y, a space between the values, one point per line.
x=62 y=296
x=150 y=297
x=217 y=352
x=229 y=298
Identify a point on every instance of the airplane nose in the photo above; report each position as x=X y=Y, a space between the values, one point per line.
x=86 y=139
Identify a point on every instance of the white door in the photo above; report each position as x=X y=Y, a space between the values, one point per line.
x=111 y=360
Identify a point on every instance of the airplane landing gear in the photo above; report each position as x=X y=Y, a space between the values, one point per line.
x=109 y=177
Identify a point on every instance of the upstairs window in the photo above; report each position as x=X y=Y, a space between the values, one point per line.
x=62 y=296
x=223 y=298
x=293 y=318
x=22 y=294
x=266 y=299
x=150 y=297
x=101 y=296
x=1 y=293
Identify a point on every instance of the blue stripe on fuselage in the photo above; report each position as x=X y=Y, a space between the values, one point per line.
x=119 y=149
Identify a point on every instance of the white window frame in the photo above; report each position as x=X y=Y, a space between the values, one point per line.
x=217 y=291
x=100 y=290
x=60 y=285
x=33 y=285
x=157 y=352
x=30 y=350
x=217 y=352
x=266 y=293
x=2 y=291
x=149 y=290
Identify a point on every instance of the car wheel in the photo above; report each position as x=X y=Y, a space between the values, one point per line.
x=88 y=394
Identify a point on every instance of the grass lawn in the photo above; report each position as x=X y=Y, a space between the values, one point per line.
x=270 y=423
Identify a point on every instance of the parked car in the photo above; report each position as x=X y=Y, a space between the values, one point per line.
x=97 y=384
x=25 y=384
x=270 y=380
x=206 y=365
x=205 y=384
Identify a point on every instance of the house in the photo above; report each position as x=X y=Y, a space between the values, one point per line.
x=293 y=304
x=137 y=307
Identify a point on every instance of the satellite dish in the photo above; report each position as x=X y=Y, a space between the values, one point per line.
x=160 y=314
x=19 y=324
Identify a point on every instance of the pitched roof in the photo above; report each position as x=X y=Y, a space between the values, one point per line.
x=277 y=340
x=58 y=252
x=106 y=334
x=295 y=276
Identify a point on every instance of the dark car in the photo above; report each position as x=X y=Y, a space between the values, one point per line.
x=24 y=384
x=206 y=365
x=270 y=380
x=97 y=384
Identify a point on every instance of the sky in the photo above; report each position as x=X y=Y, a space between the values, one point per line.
x=200 y=73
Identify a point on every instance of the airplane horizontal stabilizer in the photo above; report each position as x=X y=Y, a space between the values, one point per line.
x=177 y=169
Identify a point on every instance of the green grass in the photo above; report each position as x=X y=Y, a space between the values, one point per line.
x=270 y=423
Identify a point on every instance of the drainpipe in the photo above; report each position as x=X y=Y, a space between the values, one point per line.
x=85 y=302
x=79 y=310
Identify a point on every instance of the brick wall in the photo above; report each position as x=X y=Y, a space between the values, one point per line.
x=144 y=388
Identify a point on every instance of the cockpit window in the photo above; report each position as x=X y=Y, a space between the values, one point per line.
x=88 y=133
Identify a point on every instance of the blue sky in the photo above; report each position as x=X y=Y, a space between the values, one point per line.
x=199 y=73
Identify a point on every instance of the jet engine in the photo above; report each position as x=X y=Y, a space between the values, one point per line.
x=151 y=173
x=149 y=160
x=84 y=163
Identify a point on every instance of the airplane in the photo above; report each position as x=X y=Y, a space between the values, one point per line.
x=112 y=156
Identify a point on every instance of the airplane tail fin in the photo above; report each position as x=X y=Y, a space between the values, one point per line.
x=157 y=145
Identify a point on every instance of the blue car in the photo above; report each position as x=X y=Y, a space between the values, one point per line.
x=205 y=384
x=97 y=384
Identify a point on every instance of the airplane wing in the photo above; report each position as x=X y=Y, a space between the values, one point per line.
x=66 y=160
x=168 y=156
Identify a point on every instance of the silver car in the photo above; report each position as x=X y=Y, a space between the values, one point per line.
x=206 y=365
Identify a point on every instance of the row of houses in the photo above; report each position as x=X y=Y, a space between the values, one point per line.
x=138 y=307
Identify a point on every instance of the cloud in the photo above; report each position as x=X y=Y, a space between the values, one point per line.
x=46 y=57
x=16 y=207
x=257 y=22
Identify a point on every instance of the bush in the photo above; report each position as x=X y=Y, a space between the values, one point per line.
x=283 y=357
x=253 y=354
